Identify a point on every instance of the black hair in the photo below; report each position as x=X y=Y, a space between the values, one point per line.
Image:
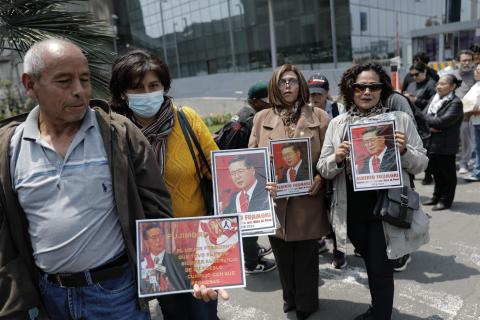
x=248 y=162
x=419 y=66
x=452 y=79
x=129 y=69
x=421 y=57
x=349 y=77
x=291 y=145
x=149 y=227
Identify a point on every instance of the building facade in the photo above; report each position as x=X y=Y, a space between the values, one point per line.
x=211 y=36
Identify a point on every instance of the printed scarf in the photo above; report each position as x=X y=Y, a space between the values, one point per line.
x=157 y=132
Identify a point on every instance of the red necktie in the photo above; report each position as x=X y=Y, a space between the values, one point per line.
x=292 y=174
x=375 y=164
x=243 y=201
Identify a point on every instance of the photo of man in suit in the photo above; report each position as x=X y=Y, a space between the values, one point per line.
x=251 y=195
x=382 y=156
x=160 y=271
x=297 y=168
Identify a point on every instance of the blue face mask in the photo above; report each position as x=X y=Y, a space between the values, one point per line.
x=145 y=105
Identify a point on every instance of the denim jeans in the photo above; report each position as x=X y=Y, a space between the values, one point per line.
x=109 y=299
x=476 y=170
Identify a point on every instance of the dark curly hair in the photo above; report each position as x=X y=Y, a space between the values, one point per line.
x=349 y=77
x=128 y=70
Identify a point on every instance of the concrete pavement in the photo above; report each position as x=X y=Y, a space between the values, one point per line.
x=441 y=282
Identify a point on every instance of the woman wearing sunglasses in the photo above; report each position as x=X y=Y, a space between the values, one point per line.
x=419 y=92
x=363 y=88
x=302 y=219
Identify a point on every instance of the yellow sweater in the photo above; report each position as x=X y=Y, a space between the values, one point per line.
x=180 y=175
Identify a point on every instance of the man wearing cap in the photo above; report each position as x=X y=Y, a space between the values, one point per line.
x=319 y=94
x=235 y=135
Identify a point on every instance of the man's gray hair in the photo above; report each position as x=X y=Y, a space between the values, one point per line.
x=34 y=60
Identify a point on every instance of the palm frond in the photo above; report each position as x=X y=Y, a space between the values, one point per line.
x=24 y=22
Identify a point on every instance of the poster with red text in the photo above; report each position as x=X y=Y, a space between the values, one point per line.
x=239 y=179
x=375 y=157
x=175 y=254
x=292 y=166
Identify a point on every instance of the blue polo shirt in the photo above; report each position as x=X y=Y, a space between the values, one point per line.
x=69 y=203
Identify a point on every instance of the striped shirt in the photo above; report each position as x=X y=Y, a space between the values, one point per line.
x=68 y=202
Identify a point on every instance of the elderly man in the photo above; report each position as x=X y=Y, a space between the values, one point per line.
x=73 y=181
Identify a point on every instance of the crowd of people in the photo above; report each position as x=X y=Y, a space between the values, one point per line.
x=70 y=252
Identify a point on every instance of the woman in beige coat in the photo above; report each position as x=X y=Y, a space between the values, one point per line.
x=302 y=219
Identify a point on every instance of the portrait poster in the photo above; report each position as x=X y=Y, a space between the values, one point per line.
x=374 y=156
x=292 y=166
x=239 y=180
x=175 y=254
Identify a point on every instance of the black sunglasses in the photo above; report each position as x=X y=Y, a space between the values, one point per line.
x=362 y=87
x=416 y=74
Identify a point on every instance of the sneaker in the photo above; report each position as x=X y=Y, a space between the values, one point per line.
x=263 y=265
x=339 y=261
x=400 y=264
x=462 y=170
x=322 y=245
x=366 y=316
x=471 y=178
x=262 y=251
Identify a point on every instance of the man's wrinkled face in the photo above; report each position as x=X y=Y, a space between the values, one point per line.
x=242 y=176
x=63 y=88
x=155 y=241
x=291 y=157
x=373 y=143
x=466 y=62
x=318 y=100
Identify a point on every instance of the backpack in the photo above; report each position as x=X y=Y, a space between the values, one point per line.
x=236 y=132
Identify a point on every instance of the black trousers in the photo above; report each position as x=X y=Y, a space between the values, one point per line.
x=250 y=252
x=368 y=238
x=184 y=306
x=297 y=263
x=445 y=175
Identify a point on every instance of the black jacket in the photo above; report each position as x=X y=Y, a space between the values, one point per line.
x=448 y=119
x=259 y=200
x=302 y=173
x=389 y=163
x=423 y=91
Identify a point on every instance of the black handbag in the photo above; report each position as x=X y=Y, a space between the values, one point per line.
x=396 y=206
x=205 y=182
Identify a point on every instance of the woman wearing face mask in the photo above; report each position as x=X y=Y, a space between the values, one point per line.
x=444 y=115
x=139 y=85
x=363 y=88
x=302 y=219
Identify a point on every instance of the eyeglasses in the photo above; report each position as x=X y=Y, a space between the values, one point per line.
x=416 y=74
x=237 y=172
x=362 y=87
x=292 y=82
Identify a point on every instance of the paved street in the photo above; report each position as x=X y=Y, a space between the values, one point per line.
x=441 y=282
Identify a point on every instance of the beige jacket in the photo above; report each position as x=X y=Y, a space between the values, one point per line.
x=301 y=217
x=414 y=160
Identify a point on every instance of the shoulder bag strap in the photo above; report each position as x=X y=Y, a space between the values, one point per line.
x=189 y=143
x=186 y=124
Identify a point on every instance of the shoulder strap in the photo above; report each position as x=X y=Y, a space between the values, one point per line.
x=189 y=134
x=190 y=147
x=335 y=109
